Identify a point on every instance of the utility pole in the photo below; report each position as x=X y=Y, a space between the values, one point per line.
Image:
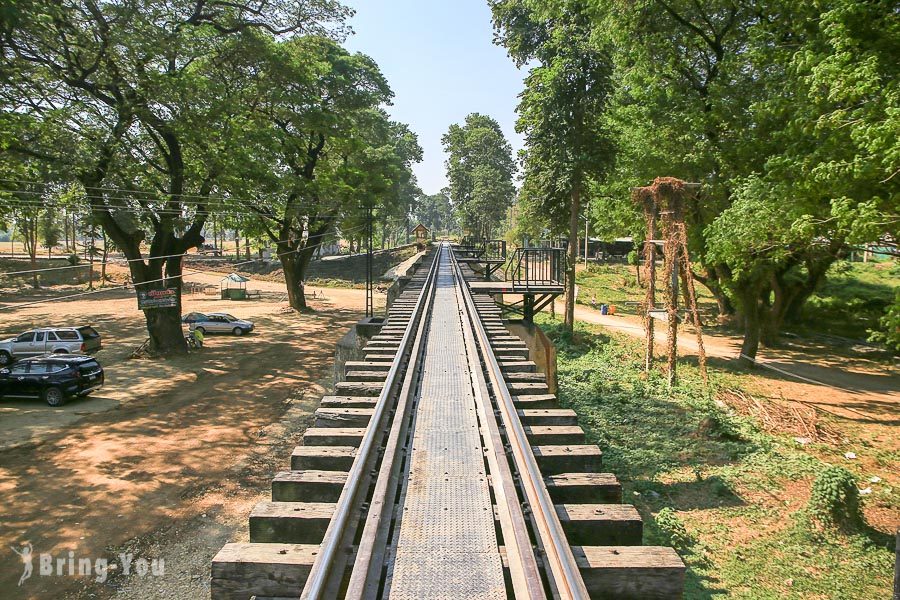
x=585 y=240
x=370 y=296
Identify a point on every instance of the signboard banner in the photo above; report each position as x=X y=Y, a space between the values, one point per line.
x=163 y=298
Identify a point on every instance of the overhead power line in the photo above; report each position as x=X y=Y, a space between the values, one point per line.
x=191 y=272
x=127 y=286
x=187 y=199
x=120 y=261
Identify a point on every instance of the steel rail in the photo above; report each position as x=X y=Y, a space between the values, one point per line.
x=320 y=572
x=560 y=565
x=525 y=575
x=364 y=577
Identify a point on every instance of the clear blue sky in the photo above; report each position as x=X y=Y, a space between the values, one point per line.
x=442 y=65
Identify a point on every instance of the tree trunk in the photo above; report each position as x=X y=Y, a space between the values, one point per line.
x=91 y=267
x=752 y=325
x=294 y=271
x=247 y=246
x=164 y=327
x=29 y=227
x=572 y=256
x=66 y=230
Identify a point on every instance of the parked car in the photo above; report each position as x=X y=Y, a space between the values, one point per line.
x=57 y=340
x=193 y=317
x=54 y=378
x=218 y=323
x=209 y=249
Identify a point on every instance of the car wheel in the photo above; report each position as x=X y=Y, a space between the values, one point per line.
x=54 y=396
x=60 y=351
x=238 y=331
x=5 y=359
x=201 y=330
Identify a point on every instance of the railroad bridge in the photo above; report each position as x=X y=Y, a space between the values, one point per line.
x=443 y=467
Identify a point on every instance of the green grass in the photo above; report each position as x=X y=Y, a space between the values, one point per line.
x=330 y=282
x=727 y=495
x=617 y=285
x=852 y=299
x=849 y=303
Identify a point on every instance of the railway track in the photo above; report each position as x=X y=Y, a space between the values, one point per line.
x=443 y=468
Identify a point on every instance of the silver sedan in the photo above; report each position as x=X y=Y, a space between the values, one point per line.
x=218 y=323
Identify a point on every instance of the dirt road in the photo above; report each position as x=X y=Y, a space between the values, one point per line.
x=164 y=446
x=850 y=387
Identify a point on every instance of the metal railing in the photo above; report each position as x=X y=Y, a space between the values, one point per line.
x=494 y=250
x=537 y=267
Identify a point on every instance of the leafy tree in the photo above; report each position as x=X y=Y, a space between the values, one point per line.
x=50 y=231
x=783 y=111
x=316 y=148
x=480 y=169
x=560 y=114
x=435 y=212
x=111 y=93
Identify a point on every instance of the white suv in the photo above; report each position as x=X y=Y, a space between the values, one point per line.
x=58 y=340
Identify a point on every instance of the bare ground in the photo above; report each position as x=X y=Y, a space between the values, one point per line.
x=168 y=458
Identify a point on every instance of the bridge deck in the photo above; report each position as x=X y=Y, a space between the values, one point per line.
x=442 y=442
x=447 y=523
x=511 y=287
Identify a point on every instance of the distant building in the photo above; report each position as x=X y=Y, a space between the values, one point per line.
x=614 y=251
x=421 y=232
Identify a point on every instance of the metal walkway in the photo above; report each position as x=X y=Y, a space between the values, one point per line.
x=447 y=521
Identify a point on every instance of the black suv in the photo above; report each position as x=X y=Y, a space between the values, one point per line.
x=53 y=377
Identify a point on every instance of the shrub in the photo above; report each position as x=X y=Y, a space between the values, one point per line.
x=835 y=498
x=889 y=327
x=673 y=529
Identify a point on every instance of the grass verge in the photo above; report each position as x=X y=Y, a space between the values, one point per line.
x=731 y=498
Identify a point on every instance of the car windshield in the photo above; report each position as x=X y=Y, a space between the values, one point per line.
x=230 y=318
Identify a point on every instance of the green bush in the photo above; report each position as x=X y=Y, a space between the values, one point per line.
x=835 y=498
x=888 y=332
x=73 y=259
x=673 y=529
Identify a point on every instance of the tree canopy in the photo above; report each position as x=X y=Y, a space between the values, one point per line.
x=480 y=169
x=166 y=112
x=560 y=113
x=785 y=112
